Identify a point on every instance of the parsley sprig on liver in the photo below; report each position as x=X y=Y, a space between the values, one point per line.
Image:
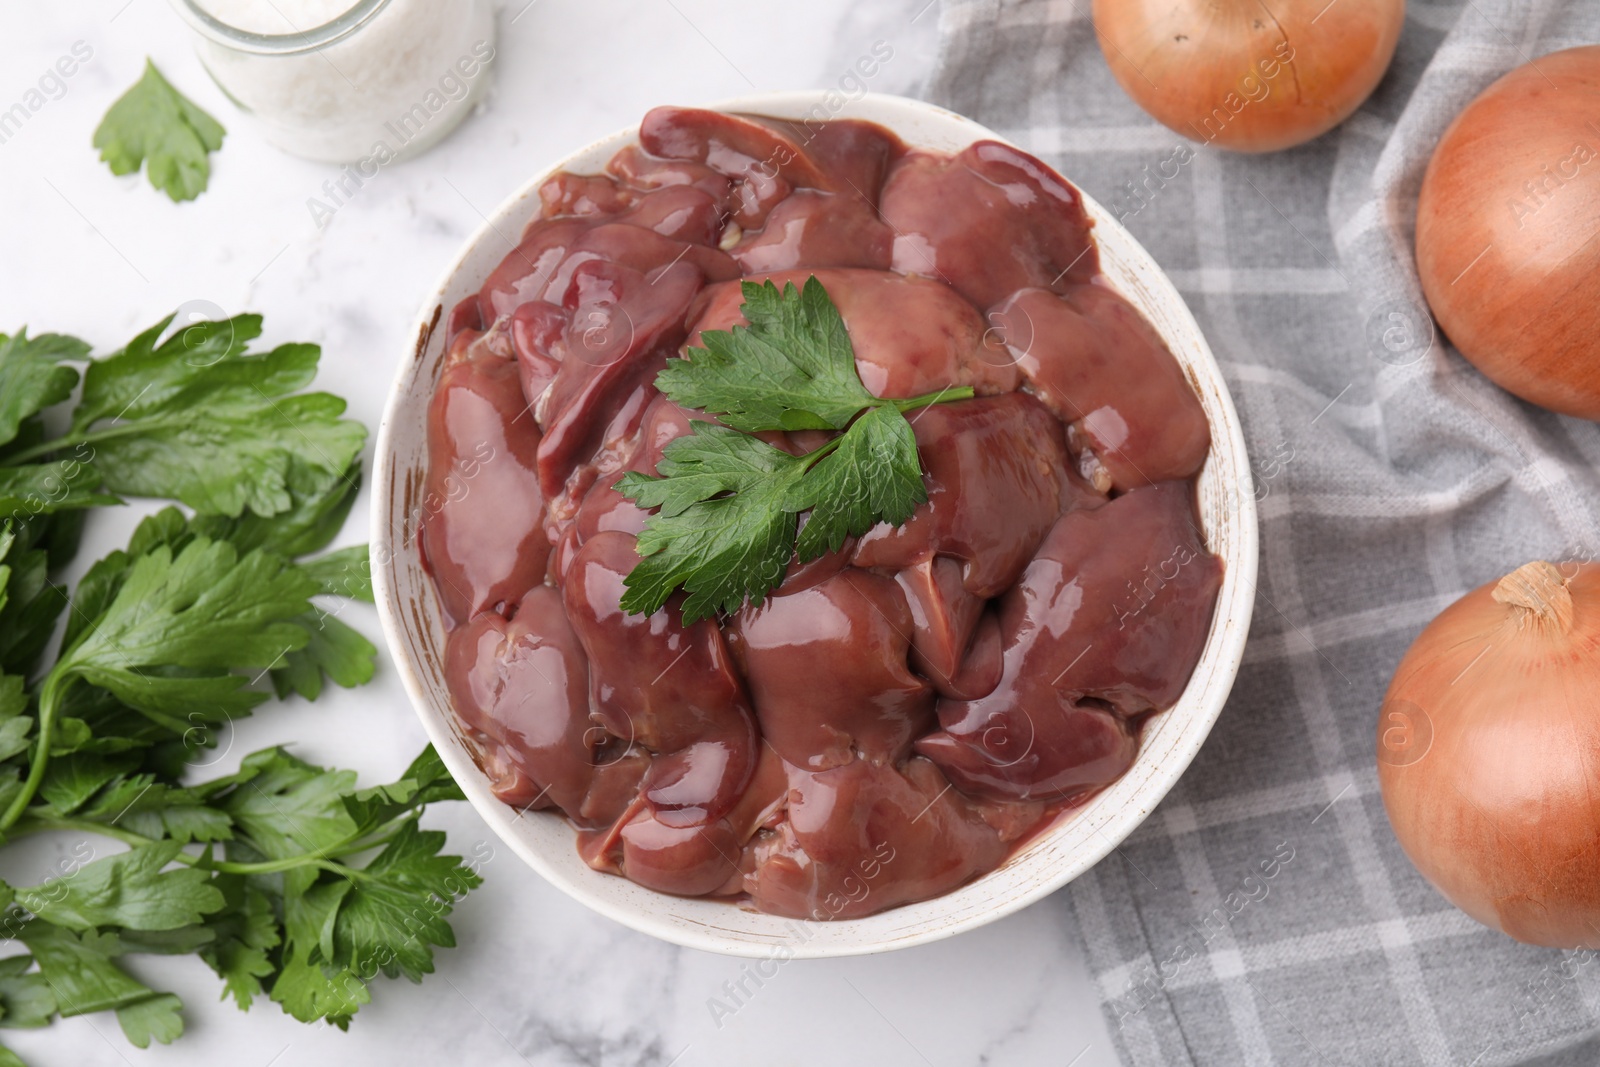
x=728 y=503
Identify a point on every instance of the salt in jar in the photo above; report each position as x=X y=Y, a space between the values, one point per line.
x=369 y=81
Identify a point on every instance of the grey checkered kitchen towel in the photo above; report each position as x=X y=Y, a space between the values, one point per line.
x=1265 y=914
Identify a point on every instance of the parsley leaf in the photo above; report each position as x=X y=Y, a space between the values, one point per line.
x=332 y=650
x=199 y=419
x=15 y=725
x=180 y=624
x=42 y=488
x=33 y=376
x=32 y=604
x=726 y=525
x=392 y=917
x=26 y=1001
x=154 y=124
x=424 y=782
x=145 y=377
x=792 y=368
x=307 y=988
x=72 y=779
x=345 y=572
x=309 y=525
x=131 y=889
x=288 y=806
x=156 y=1018
x=145 y=805
x=79 y=969
x=201 y=607
x=728 y=504
x=247 y=931
x=873 y=476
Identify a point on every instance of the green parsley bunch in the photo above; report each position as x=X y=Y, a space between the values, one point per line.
x=284 y=877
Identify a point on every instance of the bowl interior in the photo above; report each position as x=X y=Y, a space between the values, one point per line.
x=413 y=624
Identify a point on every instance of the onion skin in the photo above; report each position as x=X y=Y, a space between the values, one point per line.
x=1513 y=274
x=1501 y=812
x=1233 y=73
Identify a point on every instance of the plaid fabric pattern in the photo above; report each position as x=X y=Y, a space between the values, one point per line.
x=1265 y=913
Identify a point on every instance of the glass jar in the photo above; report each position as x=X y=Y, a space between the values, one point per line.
x=378 y=81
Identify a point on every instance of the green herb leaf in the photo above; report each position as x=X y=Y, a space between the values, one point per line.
x=792 y=368
x=10 y=785
x=345 y=572
x=158 y=1018
x=70 y=736
x=308 y=988
x=309 y=525
x=203 y=608
x=873 y=476
x=73 y=778
x=155 y=809
x=238 y=450
x=79 y=969
x=728 y=504
x=333 y=651
x=424 y=782
x=247 y=931
x=96 y=590
x=15 y=724
x=154 y=124
x=198 y=420
x=385 y=917
x=144 y=378
x=28 y=617
x=59 y=534
x=33 y=377
x=43 y=488
x=26 y=1000
x=392 y=918
x=726 y=527
x=181 y=941
x=288 y=806
x=131 y=889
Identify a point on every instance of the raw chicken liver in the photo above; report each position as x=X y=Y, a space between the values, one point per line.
x=899 y=715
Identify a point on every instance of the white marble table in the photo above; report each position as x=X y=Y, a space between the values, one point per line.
x=537 y=979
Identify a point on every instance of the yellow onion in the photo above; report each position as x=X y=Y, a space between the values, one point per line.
x=1489 y=754
x=1245 y=75
x=1508 y=232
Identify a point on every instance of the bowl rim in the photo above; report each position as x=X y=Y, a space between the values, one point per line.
x=1227 y=634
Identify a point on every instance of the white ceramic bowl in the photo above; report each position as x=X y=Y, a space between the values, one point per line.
x=411 y=619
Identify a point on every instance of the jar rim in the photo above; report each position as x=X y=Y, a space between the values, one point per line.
x=337 y=29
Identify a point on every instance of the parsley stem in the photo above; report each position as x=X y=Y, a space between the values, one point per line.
x=810 y=458
x=49 y=697
x=273 y=866
x=948 y=395
x=322 y=857
x=73 y=440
